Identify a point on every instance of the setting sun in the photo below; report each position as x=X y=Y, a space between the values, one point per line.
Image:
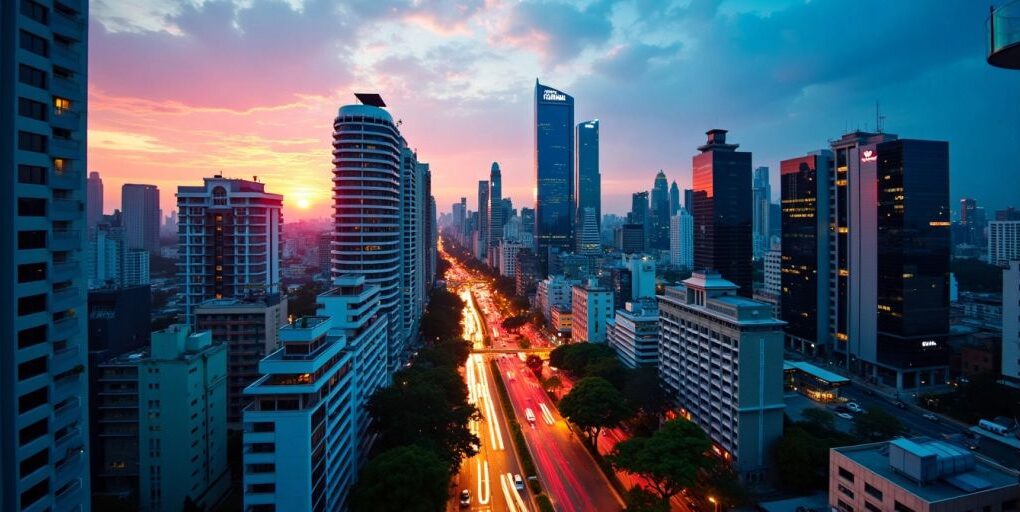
x=303 y=203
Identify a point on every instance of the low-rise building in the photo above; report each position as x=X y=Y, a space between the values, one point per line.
x=920 y=475
x=592 y=308
x=721 y=359
x=554 y=292
x=634 y=334
x=562 y=321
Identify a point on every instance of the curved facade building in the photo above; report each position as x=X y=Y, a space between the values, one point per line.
x=366 y=204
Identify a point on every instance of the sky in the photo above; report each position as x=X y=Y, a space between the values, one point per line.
x=182 y=89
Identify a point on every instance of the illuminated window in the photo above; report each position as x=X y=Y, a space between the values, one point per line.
x=61 y=104
x=59 y=165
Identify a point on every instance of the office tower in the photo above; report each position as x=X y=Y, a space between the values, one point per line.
x=1011 y=323
x=554 y=172
x=325 y=246
x=459 y=211
x=105 y=256
x=634 y=334
x=497 y=214
x=674 y=199
x=891 y=250
x=162 y=424
x=526 y=272
x=681 y=239
x=43 y=416
x=589 y=179
x=413 y=259
x=722 y=211
x=483 y=219
x=508 y=251
x=1007 y=214
x=589 y=242
x=761 y=199
x=229 y=246
x=659 y=218
x=303 y=456
x=804 y=258
x=967 y=209
x=247 y=327
x=169 y=225
x=639 y=215
x=135 y=269
x=512 y=229
x=689 y=200
x=1003 y=241
x=94 y=200
x=771 y=290
x=528 y=220
x=140 y=204
x=705 y=325
x=630 y=238
x=920 y=474
x=642 y=276
x=591 y=310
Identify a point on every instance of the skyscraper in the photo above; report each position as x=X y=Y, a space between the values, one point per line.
x=94 y=200
x=639 y=215
x=230 y=246
x=722 y=211
x=589 y=242
x=497 y=212
x=413 y=261
x=689 y=200
x=681 y=239
x=554 y=172
x=140 y=204
x=804 y=259
x=761 y=198
x=43 y=413
x=659 y=225
x=674 y=199
x=482 y=244
x=589 y=180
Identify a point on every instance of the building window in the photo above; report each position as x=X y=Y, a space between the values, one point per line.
x=35 y=11
x=899 y=507
x=30 y=272
x=846 y=491
x=32 y=76
x=28 y=141
x=31 y=304
x=31 y=336
x=846 y=475
x=33 y=432
x=31 y=240
x=31 y=207
x=873 y=492
x=35 y=493
x=31 y=174
x=35 y=44
x=32 y=368
x=844 y=506
x=871 y=508
x=31 y=109
x=32 y=399
x=34 y=462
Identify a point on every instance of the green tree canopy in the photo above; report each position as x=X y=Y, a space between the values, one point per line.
x=403 y=479
x=877 y=425
x=575 y=358
x=593 y=404
x=640 y=500
x=802 y=460
x=818 y=421
x=670 y=459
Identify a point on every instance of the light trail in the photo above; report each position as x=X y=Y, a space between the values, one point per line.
x=546 y=415
x=484 y=490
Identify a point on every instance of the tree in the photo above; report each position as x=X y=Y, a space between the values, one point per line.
x=514 y=323
x=303 y=301
x=801 y=460
x=640 y=500
x=534 y=363
x=819 y=421
x=593 y=404
x=575 y=358
x=407 y=478
x=610 y=369
x=669 y=460
x=644 y=394
x=977 y=276
x=877 y=425
x=553 y=383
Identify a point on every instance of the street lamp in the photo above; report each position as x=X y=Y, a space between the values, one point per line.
x=715 y=504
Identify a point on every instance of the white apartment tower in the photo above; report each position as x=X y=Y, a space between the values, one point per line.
x=681 y=239
x=1003 y=241
x=43 y=414
x=592 y=309
x=228 y=241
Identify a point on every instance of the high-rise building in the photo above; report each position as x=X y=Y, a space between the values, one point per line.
x=630 y=238
x=592 y=310
x=162 y=424
x=135 y=268
x=525 y=272
x=1009 y=213
x=414 y=228
x=483 y=219
x=248 y=329
x=968 y=208
x=497 y=211
x=508 y=251
x=722 y=211
x=302 y=453
x=674 y=199
x=804 y=260
x=554 y=172
x=229 y=242
x=1003 y=241
x=681 y=239
x=589 y=178
x=43 y=414
x=140 y=204
x=891 y=251
x=761 y=199
x=658 y=235
x=634 y=333
x=94 y=200
x=1011 y=323
x=739 y=403
x=528 y=220
x=325 y=247
x=589 y=242
x=771 y=290
x=639 y=214
x=689 y=200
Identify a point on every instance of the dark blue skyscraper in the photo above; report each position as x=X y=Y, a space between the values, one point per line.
x=554 y=170
x=589 y=181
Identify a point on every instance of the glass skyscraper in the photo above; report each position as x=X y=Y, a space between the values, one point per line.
x=554 y=170
x=589 y=181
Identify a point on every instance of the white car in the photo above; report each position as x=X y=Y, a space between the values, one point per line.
x=518 y=482
x=854 y=407
x=930 y=417
x=845 y=416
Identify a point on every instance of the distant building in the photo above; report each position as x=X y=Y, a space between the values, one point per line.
x=721 y=359
x=561 y=320
x=552 y=292
x=483 y=220
x=325 y=251
x=634 y=334
x=555 y=205
x=681 y=239
x=93 y=200
x=508 y=252
x=248 y=329
x=589 y=179
x=525 y=272
x=1003 y=241
x=630 y=238
x=674 y=199
x=1011 y=322
x=919 y=475
x=761 y=198
x=772 y=289
x=162 y=425
x=140 y=204
x=640 y=214
x=135 y=267
x=589 y=241
x=659 y=214
x=497 y=211
x=592 y=309
x=642 y=276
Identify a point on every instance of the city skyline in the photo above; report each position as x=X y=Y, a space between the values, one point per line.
x=143 y=118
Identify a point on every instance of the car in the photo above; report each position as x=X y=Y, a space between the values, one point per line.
x=853 y=407
x=518 y=482
x=845 y=415
x=900 y=404
x=930 y=417
x=465 y=498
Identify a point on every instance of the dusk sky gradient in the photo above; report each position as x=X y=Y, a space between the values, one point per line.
x=181 y=89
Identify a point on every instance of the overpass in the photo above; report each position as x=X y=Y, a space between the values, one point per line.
x=540 y=351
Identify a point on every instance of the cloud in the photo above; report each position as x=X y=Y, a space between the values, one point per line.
x=631 y=61
x=558 y=31
x=127 y=142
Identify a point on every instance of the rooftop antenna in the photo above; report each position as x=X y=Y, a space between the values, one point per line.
x=879 y=118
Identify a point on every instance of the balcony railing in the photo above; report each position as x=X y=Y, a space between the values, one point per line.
x=1004 y=35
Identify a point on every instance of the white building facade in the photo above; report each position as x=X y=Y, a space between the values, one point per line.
x=681 y=239
x=591 y=309
x=1003 y=241
x=634 y=334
